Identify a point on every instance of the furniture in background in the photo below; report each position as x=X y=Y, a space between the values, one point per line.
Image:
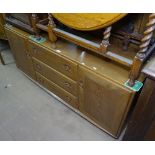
x=132 y=35
x=25 y=21
x=142 y=123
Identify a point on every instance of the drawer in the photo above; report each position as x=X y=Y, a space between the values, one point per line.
x=54 y=60
x=55 y=76
x=64 y=95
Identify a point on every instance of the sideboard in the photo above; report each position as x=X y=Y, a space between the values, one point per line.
x=92 y=86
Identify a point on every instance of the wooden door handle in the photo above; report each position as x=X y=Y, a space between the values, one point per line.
x=68 y=85
x=67 y=67
x=38 y=66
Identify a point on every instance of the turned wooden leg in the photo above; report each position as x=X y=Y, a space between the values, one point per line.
x=34 y=21
x=105 y=42
x=141 y=55
x=51 y=25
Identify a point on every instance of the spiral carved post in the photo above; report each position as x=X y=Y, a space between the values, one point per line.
x=51 y=25
x=141 y=55
x=34 y=21
x=105 y=42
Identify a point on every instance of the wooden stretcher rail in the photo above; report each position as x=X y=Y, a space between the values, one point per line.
x=87 y=44
x=92 y=46
x=20 y=24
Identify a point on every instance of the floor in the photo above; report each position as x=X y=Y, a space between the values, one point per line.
x=27 y=112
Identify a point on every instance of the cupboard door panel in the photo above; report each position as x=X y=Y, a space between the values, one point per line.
x=18 y=45
x=104 y=101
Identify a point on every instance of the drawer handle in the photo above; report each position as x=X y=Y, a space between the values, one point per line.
x=68 y=85
x=34 y=50
x=40 y=80
x=67 y=67
x=28 y=54
x=81 y=83
x=38 y=66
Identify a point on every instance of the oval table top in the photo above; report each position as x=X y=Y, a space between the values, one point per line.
x=88 y=21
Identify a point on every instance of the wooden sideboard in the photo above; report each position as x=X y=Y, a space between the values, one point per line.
x=2 y=31
x=142 y=122
x=90 y=85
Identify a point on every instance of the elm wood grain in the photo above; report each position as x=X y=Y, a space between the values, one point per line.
x=18 y=44
x=55 y=76
x=68 y=105
x=54 y=60
x=88 y=21
x=143 y=115
x=96 y=47
x=77 y=40
x=104 y=101
x=2 y=31
x=99 y=48
x=73 y=53
x=69 y=98
x=50 y=27
x=105 y=42
x=144 y=50
x=100 y=71
x=138 y=60
x=34 y=20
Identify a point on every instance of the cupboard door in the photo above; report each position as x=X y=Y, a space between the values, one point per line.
x=21 y=54
x=2 y=31
x=103 y=101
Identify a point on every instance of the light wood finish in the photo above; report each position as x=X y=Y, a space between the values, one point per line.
x=18 y=44
x=51 y=25
x=69 y=98
x=55 y=61
x=55 y=76
x=73 y=53
x=2 y=31
x=103 y=80
x=144 y=50
x=103 y=101
x=88 y=21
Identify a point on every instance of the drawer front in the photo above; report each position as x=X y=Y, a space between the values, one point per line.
x=56 y=77
x=55 y=61
x=64 y=95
